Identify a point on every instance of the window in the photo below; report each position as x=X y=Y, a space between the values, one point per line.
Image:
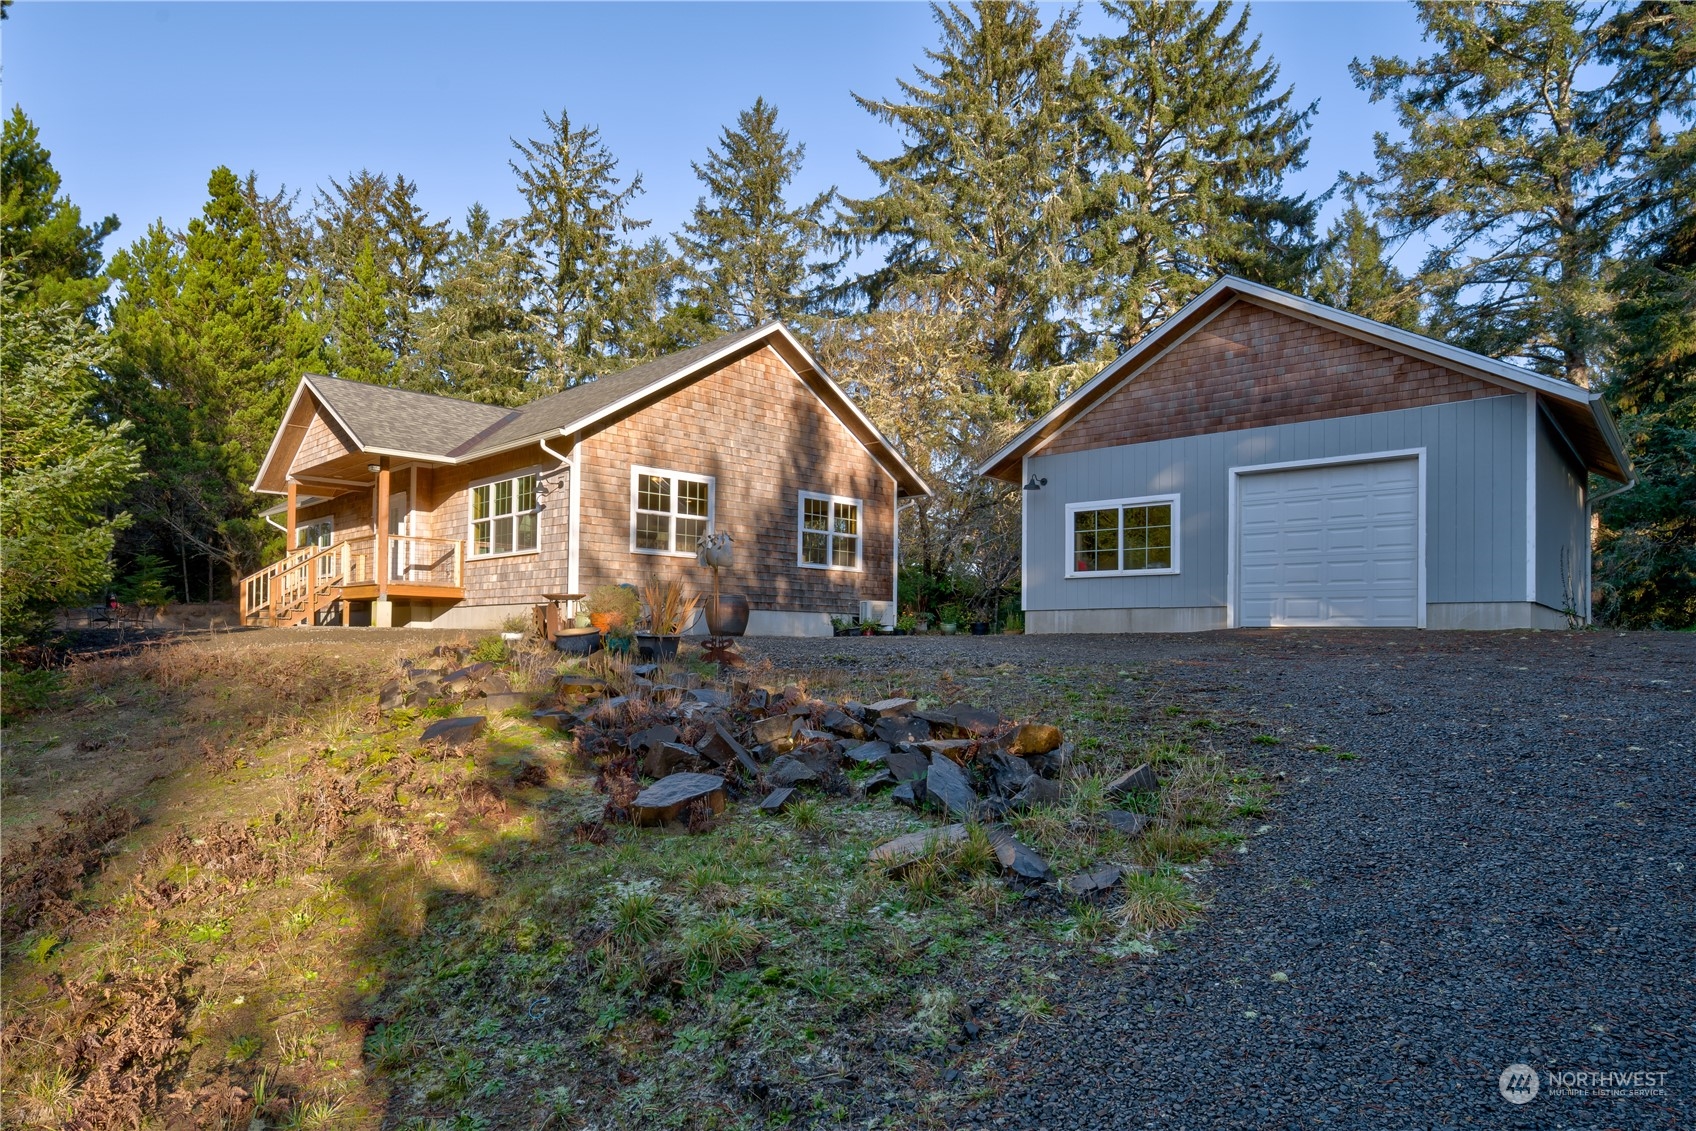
x=504 y=516
x=1123 y=536
x=317 y=533
x=669 y=511
x=830 y=532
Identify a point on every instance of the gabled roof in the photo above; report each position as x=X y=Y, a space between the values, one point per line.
x=1579 y=413
x=395 y=422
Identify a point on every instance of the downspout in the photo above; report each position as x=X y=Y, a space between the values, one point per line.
x=573 y=497
x=275 y=523
x=1589 y=529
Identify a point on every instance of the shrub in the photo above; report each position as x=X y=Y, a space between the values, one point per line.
x=1156 y=903
x=613 y=606
x=489 y=650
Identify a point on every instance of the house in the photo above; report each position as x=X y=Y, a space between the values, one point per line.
x=1260 y=459
x=404 y=508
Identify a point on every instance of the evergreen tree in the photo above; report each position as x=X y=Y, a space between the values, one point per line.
x=1353 y=274
x=745 y=248
x=981 y=202
x=476 y=337
x=577 y=266
x=360 y=317
x=1512 y=134
x=53 y=256
x=1190 y=140
x=62 y=469
x=210 y=347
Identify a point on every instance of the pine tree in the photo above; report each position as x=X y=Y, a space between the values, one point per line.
x=1506 y=169
x=476 y=338
x=745 y=248
x=211 y=344
x=577 y=265
x=982 y=199
x=1354 y=275
x=52 y=255
x=360 y=318
x=1190 y=140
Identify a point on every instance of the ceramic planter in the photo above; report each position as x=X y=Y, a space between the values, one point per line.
x=727 y=614
x=578 y=641
x=656 y=647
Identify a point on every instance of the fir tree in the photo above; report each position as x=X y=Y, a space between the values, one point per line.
x=210 y=346
x=1354 y=275
x=982 y=199
x=577 y=265
x=476 y=337
x=360 y=317
x=1190 y=139
x=1505 y=169
x=745 y=248
x=52 y=256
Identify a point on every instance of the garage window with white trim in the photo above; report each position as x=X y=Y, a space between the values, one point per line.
x=1120 y=537
x=670 y=511
x=503 y=516
x=830 y=532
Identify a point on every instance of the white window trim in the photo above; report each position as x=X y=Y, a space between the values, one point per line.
x=471 y=520
x=302 y=524
x=636 y=473
x=1104 y=504
x=830 y=535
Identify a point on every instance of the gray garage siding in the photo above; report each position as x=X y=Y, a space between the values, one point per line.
x=1475 y=502
x=1560 y=521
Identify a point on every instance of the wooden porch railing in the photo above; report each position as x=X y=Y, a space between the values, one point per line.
x=293 y=589
x=413 y=559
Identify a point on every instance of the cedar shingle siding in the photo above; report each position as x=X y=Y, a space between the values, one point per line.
x=1251 y=367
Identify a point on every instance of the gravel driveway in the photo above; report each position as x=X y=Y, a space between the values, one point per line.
x=1503 y=874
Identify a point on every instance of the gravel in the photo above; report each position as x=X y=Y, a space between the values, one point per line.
x=1504 y=873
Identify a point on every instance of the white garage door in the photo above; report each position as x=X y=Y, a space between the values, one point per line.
x=1333 y=545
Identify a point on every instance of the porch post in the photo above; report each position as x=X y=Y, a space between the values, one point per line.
x=291 y=534
x=382 y=612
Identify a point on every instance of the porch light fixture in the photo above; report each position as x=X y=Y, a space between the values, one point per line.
x=373 y=468
x=1035 y=484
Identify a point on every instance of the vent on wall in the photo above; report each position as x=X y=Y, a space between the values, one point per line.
x=880 y=612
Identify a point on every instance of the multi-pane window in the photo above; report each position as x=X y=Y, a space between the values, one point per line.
x=317 y=534
x=672 y=510
x=1124 y=536
x=504 y=517
x=830 y=532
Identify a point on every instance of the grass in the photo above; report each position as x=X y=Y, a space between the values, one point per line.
x=303 y=865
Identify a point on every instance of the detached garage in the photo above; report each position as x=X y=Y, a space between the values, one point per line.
x=1262 y=460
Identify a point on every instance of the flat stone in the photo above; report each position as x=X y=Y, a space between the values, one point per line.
x=1017 y=858
x=1131 y=824
x=430 y=686
x=1034 y=738
x=668 y=758
x=645 y=740
x=1093 y=883
x=777 y=799
x=501 y=701
x=456 y=732
x=896 y=729
x=644 y=669
x=807 y=734
x=721 y=746
x=711 y=696
x=1054 y=763
x=839 y=722
x=581 y=684
x=941 y=723
x=392 y=695
x=883 y=779
x=1139 y=780
x=854 y=708
x=908 y=793
x=954 y=749
x=903 y=850
x=1007 y=772
x=555 y=718
x=977 y=721
x=496 y=683
x=907 y=766
x=886 y=707
x=777 y=733
x=790 y=771
x=1036 y=791
x=868 y=752
x=947 y=787
x=666 y=799
x=417 y=698
x=821 y=761
x=757 y=699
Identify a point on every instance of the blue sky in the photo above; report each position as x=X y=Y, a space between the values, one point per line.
x=139 y=101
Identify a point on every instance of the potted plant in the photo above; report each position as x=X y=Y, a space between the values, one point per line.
x=951 y=616
x=613 y=609
x=621 y=640
x=669 y=613
x=727 y=613
x=841 y=626
x=906 y=624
